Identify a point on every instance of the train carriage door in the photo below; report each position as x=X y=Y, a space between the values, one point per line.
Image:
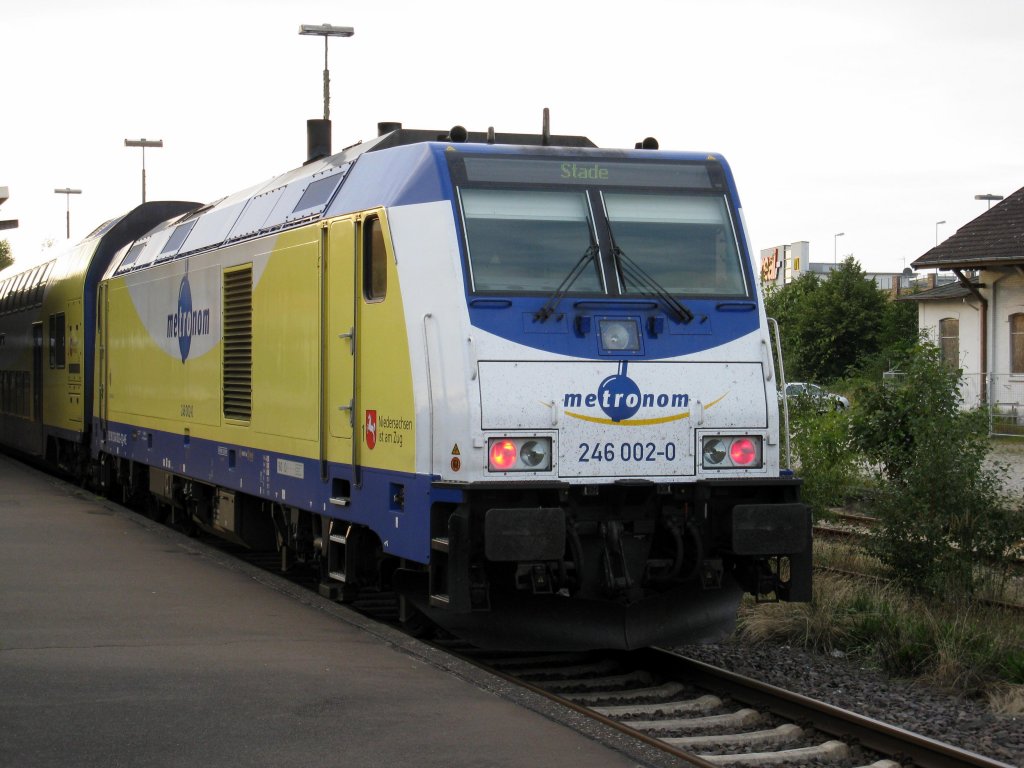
x=339 y=340
x=101 y=360
x=75 y=354
x=37 y=387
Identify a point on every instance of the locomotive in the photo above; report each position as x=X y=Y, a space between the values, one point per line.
x=523 y=382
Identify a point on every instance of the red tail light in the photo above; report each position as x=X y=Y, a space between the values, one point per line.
x=743 y=452
x=502 y=455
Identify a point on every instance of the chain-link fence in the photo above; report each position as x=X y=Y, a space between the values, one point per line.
x=1005 y=395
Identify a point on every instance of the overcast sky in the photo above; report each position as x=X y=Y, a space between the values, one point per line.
x=875 y=118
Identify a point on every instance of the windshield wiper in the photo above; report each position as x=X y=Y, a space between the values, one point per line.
x=631 y=270
x=551 y=304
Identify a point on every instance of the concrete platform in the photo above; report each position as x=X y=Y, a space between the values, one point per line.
x=123 y=643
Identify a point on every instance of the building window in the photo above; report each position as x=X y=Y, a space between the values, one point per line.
x=949 y=341
x=1017 y=342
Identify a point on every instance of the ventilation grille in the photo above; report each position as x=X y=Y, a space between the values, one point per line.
x=238 y=343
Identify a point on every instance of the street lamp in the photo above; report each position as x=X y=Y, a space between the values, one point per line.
x=326 y=31
x=937 y=230
x=990 y=198
x=835 y=247
x=68 y=192
x=143 y=143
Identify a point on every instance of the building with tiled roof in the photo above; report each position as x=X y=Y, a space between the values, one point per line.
x=978 y=321
x=996 y=238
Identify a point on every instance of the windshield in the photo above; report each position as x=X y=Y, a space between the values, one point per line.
x=684 y=242
x=529 y=240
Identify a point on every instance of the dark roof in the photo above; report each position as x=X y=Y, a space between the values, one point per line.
x=954 y=290
x=995 y=237
x=401 y=135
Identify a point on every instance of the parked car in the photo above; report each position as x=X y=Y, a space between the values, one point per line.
x=826 y=399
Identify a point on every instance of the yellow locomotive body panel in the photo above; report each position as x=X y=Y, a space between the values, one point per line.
x=248 y=346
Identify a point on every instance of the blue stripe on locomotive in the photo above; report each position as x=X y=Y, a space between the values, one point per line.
x=403 y=530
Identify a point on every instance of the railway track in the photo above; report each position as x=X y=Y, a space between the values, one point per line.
x=706 y=716
x=857 y=528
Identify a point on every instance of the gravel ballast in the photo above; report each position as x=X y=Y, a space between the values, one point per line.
x=957 y=720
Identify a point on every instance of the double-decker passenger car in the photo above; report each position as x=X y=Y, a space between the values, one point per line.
x=47 y=331
x=522 y=381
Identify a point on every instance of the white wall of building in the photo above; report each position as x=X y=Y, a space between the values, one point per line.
x=1005 y=293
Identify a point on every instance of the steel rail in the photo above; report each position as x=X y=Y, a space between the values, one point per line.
x=873 y=734
x=650 y=741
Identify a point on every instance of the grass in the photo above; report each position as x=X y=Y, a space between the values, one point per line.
x=949 y=640
x=961 y=647
x=846 y=555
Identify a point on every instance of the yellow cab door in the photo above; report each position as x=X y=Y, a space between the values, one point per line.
x=385 y=419
x=339 y=340
x=101 y=357
x=368 y=401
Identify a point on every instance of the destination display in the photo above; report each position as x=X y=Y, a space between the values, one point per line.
x=532 y=170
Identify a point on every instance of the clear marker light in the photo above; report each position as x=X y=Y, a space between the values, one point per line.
x=534 y=453
x=714 y=452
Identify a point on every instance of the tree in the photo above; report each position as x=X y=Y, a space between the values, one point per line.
x=5 y=255
x=831 y=326
x=788 y=305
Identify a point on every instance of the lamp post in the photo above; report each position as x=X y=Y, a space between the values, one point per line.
x=68 y=192
x=143 y=143
x=835 y=247
x=326 y=31
x=937 y=230
x=990 y=198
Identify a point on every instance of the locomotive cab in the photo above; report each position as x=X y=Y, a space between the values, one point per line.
x=622 y=480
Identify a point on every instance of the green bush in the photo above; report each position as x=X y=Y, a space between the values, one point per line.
x=822 y=454
x=946 y=525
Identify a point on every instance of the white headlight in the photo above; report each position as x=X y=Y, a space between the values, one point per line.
x=534 y=453
x=714 y=451
x=619 y=335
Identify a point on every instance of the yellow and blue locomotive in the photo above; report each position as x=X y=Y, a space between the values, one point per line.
x=522 y=381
